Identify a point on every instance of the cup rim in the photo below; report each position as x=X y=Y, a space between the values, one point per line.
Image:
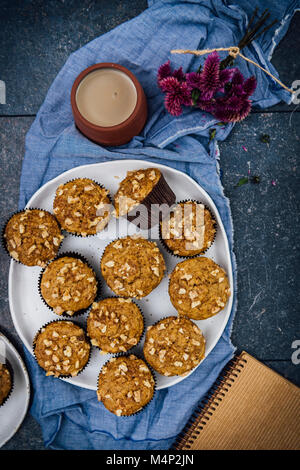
x=102 y=65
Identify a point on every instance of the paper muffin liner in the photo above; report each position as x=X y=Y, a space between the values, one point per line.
x=160 y=194
x=76 y=255
x=11 y=371
x=138 y=356
x=193 y=321
x=78 y=234
x=3 y=240
x=121 y=353
x=62 y=376
x=164 y=244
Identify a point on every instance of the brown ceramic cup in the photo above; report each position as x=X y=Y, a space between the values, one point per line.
x=115 y=135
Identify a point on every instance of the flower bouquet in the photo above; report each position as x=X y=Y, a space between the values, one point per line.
x=224 y=92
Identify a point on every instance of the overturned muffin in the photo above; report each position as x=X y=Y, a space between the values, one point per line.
x=61 y=349
x=134 y=188
x=174 y=346
x=32 y=237
x=199 y=288
x=82 y=207
x=189 y=230
x=132 y=266
x=115 y=324
x=68 y=285
x=125 y=385
x=144 y=197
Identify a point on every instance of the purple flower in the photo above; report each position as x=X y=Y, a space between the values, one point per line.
x=193 y=80
x=225 y=76
x=177 y=95
x=232 y=109
x=210 y=81
x=238 y=78
x=164 y=71
x=208 y=106
x=223 y=93
x=249 y=86
x=237 y=90
x=178 y=73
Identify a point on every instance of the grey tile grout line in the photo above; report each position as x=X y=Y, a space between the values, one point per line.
x=16 y=115
x=254 y=111
x=269 y=111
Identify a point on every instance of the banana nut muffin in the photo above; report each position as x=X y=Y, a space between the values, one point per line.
x=5 y=383
x=32 y=237
x=61 y=348
x=199 y=288
x=132 y=266
x=68 y=285
x=82 y=207
x=174 y=346
x=125 y=385
x=189 y=230
x=134 y=188
x=115 y=324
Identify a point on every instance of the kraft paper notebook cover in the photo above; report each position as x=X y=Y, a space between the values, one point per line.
x=251 y=407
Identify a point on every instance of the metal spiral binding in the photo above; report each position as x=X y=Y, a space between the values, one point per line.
x=209 y=403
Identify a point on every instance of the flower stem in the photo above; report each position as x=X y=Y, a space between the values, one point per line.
x=251 y=34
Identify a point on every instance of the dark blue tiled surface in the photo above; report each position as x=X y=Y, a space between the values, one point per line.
x=37 y=37
x=266 y=237
x=265 y=216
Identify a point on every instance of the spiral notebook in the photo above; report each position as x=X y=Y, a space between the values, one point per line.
x=250 y=407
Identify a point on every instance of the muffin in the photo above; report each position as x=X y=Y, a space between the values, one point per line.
x=199 y=288
x=68 y=285
x=125 y=385
x=32 y=237
x=82 y=207
x=61 y=348
x=6 y=383
x=115 y=324
x=140 y=194
x=132 y=266
x=189 y=230
x=174 y=346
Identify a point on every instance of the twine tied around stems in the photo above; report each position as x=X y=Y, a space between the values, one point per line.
x=234 y=52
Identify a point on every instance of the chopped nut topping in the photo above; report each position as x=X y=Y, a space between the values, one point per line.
x=110 y=264
x=214 y=272
x=178 y=364
x=68 y=351
x=186 y=276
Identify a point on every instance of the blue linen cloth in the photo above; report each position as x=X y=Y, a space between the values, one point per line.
x=71 y=417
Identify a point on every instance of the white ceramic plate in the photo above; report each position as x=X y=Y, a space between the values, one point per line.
x=14 y=409
x=29 y=312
